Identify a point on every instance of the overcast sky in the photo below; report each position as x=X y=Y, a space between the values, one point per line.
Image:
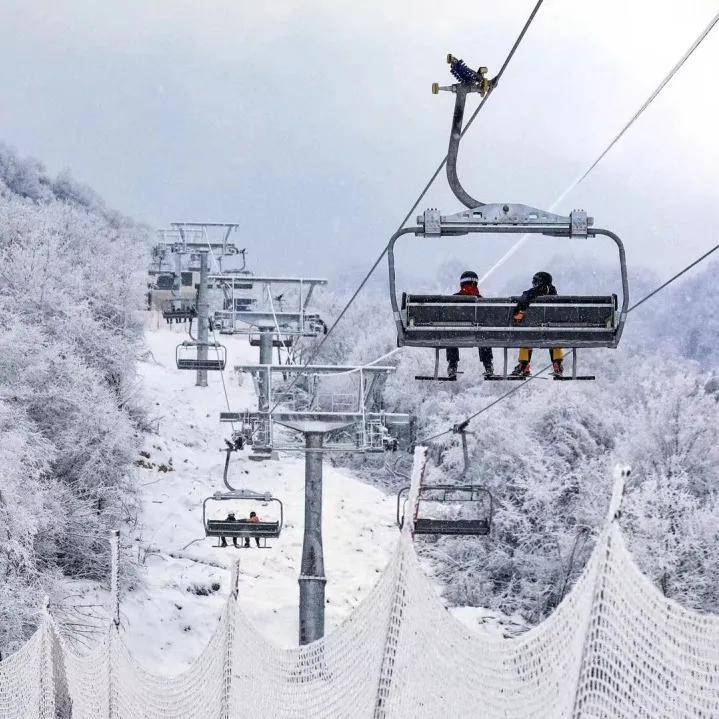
x=312 y=123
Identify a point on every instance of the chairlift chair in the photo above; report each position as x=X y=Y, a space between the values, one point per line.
x=243 y=528
x=188 y=356
x=458 y=494
x=179 y=309
x=165 y=281
x=441 y=321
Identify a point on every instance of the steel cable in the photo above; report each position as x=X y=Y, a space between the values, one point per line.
x=667 y=78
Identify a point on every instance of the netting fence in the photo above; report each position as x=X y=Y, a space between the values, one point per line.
x=615 y=648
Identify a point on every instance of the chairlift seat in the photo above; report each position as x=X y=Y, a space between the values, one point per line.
x=456 y=527
x=240 y=528
x=550 y=321
x=185 y=361
x=195 y=364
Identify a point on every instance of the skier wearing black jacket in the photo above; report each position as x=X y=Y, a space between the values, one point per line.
x=541 y=286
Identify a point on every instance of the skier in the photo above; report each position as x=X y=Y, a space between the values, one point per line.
x=468 y=286
x=541 y=286
x=254 y=519
x=230 y=518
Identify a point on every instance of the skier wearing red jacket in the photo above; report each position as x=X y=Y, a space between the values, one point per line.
x=469 y=285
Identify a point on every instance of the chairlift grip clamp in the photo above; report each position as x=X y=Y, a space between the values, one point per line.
x=461 y=427
x=432 y=222
x=579 y=223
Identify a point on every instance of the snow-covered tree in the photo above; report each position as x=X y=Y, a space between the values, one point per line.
x=70 y=290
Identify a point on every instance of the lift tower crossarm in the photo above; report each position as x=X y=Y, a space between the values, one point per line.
x=275 y=280
x=309 y=369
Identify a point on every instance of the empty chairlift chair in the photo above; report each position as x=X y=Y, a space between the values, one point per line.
x=192 y=355
x=471 y=504
x=243 y=528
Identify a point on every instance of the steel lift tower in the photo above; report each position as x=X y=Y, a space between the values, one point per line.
x=327 y=423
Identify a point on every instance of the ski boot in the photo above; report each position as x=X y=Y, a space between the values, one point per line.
x=451 y=371
x=557 y=369
x=522 y=370
x=488 y=371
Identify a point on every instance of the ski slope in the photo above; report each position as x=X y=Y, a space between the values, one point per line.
x=169 y=616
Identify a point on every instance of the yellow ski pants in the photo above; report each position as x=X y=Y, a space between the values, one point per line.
x=557 y=354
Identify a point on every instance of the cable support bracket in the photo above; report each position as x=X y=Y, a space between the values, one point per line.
x=504 y=217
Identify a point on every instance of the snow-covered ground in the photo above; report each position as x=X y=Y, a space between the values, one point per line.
x=169 y=617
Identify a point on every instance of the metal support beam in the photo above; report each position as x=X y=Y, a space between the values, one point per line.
x=203 y=313
x=312 y=573
x=266 y=337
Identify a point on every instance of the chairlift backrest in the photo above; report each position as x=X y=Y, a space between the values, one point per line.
x=465 y=321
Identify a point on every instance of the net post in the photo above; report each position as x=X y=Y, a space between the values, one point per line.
x=399 y=598
x=115 y=576
x=231 y=610
x=114 y=628
x=598 y=589
x=46 y=695
x=621 y=475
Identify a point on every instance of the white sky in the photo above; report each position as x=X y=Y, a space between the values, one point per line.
x=313 y=126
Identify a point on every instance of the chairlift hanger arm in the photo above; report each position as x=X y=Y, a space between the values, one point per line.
x=225 y=480
x=455 y=137
x=469 y=81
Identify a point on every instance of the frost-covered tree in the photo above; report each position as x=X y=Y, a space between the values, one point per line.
x=547 y=452
x=70 y=290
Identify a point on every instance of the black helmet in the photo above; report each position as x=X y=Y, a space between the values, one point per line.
x=469 y=277
x=541 y=278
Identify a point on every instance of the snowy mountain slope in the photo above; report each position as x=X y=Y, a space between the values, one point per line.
x=166 y=624
x=169 y=616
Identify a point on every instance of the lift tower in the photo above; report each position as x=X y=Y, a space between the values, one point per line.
x=328 y=423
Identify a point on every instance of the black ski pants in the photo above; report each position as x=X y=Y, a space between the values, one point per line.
x=485 y=355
